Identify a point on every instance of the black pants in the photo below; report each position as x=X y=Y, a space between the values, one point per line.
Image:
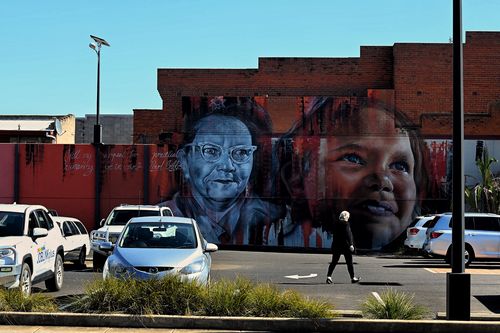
x=335 y=259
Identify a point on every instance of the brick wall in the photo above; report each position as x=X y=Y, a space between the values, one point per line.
x=418 y=76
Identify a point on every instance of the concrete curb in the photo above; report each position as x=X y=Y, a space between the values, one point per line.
x=346 y=325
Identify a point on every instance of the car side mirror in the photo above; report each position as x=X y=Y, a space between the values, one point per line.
x=106 y=246
x=101 y=223
x=211 y=247
x=40 y=232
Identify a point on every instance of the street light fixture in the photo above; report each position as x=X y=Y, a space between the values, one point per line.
x=97 y=48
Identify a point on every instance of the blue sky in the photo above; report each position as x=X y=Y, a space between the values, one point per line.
x=48 y=68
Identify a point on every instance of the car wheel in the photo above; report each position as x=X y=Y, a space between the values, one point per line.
x=81 y=257
x=98 y=261
x=25 y=279
x=468 y=255
x=55 y=283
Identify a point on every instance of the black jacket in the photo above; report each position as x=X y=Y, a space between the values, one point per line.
x=342 y=236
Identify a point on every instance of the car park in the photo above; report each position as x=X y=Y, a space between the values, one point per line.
x=415 y=233
x=31 y=248
x=152 y=247
x=76 y=239
x=481 y=237
x=112 y=226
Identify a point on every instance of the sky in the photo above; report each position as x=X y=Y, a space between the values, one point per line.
x=47 y=67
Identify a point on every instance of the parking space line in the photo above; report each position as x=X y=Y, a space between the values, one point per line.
x=477 y=271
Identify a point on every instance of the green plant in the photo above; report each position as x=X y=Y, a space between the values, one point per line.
x=15 y=300
x=484 y=196
x=392 y=304
x=170 y=295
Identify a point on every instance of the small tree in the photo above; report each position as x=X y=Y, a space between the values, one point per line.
x=485 y=196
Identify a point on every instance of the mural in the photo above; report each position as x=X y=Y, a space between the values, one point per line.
x=218 y=166
x=246 y=184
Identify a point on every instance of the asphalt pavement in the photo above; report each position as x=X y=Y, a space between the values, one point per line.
x=306 y=273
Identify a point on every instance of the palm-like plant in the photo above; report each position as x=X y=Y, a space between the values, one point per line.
x=485 y=196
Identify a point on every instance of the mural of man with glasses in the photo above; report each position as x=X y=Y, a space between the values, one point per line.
x=217 y=162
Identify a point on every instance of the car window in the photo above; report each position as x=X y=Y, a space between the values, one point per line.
x=42 y=219
x=122 y=216
x=66 y=229
x=11 y=224
x=33 y=223
x=468 y=220
x=73 y=228
x=80 y=227
x=159 y=235
x=426 y=224
x=486 y=223
x=433 y=222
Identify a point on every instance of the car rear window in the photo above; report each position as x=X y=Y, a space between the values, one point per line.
x=415 y=221
x=433 y=222
x=121 y=217
x=426 y=224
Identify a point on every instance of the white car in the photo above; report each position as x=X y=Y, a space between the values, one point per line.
x=113 y=225
x=415 y=233
x=76 y=239
x=31 y=248
x=482 y=237
x=152 y=247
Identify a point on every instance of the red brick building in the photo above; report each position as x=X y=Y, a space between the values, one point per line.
x=416 y=78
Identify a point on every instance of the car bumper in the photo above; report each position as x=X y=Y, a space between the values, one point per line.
x=10 y=279
x=201 y=277
x=94 y=245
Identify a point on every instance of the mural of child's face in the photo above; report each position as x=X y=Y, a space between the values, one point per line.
x=371 y=175
x=220 y=161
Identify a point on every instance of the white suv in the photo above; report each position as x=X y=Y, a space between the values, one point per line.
x=112 y=226
x=31 y=248
x=482 y=236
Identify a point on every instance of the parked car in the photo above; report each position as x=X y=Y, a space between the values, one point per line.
x=152 y=247
x=415 y=233
x=481 y=237
x=31 y=248
x=76 y=239
x=112 y=226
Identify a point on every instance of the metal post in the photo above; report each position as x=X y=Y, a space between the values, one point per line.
x=458 y=282
x=97 y=126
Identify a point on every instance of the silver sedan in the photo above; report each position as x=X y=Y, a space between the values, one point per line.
x=155 y=246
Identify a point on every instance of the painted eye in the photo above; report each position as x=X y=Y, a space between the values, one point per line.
x=353 y=158
x=400 y=166
x=211 y=152
x=241 y=154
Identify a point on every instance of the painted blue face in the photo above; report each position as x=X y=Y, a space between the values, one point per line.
x=219 y=161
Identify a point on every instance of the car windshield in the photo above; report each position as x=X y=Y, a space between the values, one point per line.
x=11 y=224
x=122 y=216
x=159 y=235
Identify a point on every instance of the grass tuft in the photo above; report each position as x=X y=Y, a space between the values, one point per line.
x=171 y=296
x=393 y=304
x=15 y=300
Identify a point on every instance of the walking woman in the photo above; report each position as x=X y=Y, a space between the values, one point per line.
x=342 y=245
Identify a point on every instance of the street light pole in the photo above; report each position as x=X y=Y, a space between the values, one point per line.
x=458 y=282
x=97 y=48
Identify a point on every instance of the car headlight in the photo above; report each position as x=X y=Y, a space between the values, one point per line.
x=194 y=267
x=117 y=266
x=7 y=256
x=98 y=235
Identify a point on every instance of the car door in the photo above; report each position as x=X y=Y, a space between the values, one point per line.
x=484 y=237
x=37 y=246
x=47 y=250
x=68 y=240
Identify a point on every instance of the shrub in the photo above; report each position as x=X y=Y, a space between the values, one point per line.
x=157 y=296
x=393 y=304
x=171 y=296
x=15 y=300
